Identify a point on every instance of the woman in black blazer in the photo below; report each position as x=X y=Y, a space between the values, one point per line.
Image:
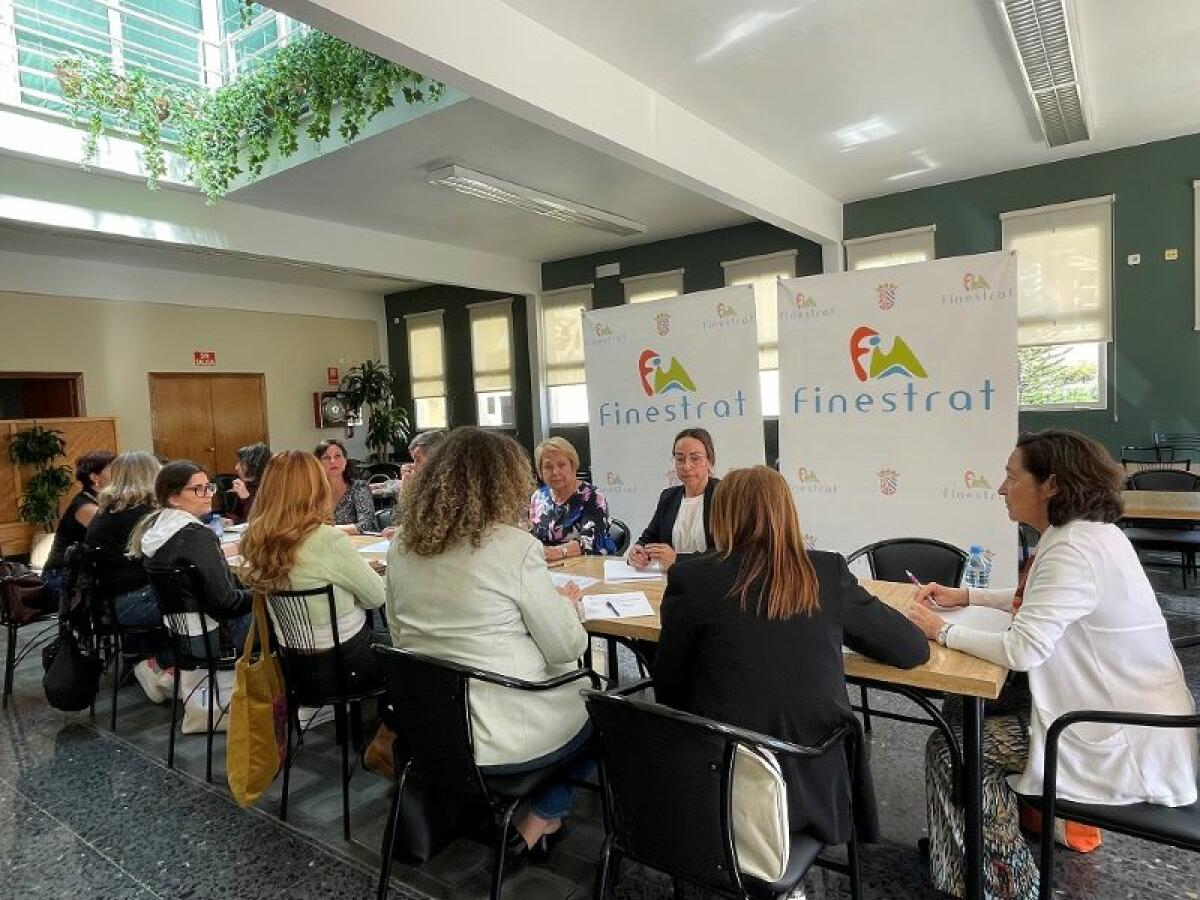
x=670 y=534
x=752 y=636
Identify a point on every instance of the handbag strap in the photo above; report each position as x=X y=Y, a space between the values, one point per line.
x=258 y=627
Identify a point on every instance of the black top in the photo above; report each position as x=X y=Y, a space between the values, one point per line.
x=196 y=545
x=663 y=523
x=781 y=677
x=108 y=534
x=69 y=530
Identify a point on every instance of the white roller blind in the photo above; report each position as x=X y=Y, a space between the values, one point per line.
x=764 y=272
x=1064 y=271
x=659 y=286
x=562 y=330
x=892 y=249
x=426 y=357
x=491 y=346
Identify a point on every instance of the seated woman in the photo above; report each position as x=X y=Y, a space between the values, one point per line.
x=251 y=461
x=681 y=521
x=91 y=471
x=569 y=516
x=468 y=583
x=126 y=500
x=174 y=536
x=353 y=508
x=1091 y=636
x=752 y=636
x=290 y=545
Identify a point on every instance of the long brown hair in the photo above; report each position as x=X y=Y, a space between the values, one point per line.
x=753 y=514
x=293 y=499
x=1088 y=481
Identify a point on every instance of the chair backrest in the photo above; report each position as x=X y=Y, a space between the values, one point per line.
x=431 y=700
x=1163 y=480
x=388 y=470
x=1177 y=440
x=927 y=559
x=178 y=590
x=619 y=532
x=297 y=642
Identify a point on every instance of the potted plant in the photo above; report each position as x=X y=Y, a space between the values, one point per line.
x=371 y=386
x=44 y=489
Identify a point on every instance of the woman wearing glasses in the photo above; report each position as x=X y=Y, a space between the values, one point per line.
x=681 y=522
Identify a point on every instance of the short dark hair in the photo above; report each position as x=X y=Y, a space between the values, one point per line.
x=1088 y=481
x=347 y=473
x=702 y=435
x=173 y=478
x=254 y=458
x=90 y=464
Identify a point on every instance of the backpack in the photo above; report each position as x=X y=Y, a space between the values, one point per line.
x=72 y=661
x=22 y=593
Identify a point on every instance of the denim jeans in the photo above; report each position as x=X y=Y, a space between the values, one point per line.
x=138 y=607
x=554 y=800
x=236 y=629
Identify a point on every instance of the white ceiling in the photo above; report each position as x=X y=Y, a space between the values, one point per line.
x=382 y=183
x=871 y=97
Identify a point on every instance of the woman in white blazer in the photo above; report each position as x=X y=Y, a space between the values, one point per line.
x=1089 y=632
x=468 y=583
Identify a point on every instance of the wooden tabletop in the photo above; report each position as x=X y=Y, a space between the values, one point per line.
x=1174 y=505
x=948 y=670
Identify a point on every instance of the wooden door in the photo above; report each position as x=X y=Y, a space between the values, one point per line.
x=206 y=418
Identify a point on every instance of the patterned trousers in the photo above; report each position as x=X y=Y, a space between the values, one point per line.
x=1009 y=869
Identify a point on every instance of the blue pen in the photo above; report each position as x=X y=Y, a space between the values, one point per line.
x=613 y=608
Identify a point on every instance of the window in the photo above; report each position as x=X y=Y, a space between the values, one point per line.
x=427 y=368
x=562 y=338
x=892 y=249
x=1064 y=274
x=491 y=359
x=659 y=286
x=764 y=272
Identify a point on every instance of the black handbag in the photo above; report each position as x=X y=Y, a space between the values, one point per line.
x=72 y=678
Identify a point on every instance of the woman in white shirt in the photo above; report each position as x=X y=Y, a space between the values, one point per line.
x=681 y=520
x=1089 y=632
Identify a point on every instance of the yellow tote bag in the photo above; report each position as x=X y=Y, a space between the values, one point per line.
x=257 y=739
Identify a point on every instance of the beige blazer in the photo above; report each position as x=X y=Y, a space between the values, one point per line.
x=494 y=608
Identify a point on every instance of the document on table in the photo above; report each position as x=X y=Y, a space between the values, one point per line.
x=616 y=606
x=377 y=547
x=235 y=529
x=617 y=570
x=583 y=582
x=982 y=618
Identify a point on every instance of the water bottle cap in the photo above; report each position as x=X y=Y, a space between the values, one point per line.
x=976 y=548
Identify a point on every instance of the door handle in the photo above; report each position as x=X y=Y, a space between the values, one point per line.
x=211 y=449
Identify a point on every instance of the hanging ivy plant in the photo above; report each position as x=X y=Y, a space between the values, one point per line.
x=239 y=126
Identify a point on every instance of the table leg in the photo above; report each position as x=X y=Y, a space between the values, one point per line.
x=610 y=658
x=972 y=794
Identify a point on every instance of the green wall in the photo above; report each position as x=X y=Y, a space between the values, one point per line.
x=1154 y=359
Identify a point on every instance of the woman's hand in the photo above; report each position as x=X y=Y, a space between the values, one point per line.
x=558 y=552
x=378 y=565
x=935 y=596
x=388 y=533
x=663 y=554
x=239 y=488
x=571 y=591
x=926 y=619
x=639 y=558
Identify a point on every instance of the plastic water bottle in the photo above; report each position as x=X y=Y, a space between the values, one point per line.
x=979 y=570
x=215 y=526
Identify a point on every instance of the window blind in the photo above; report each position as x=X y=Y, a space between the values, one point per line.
x=562 y=331
x=763 y=273
x=426 y=356
x=658 y=286
x=491 y=346
x=892 y=249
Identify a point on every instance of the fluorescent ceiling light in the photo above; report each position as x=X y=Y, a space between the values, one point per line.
x=1041 y=37
x=487 y=187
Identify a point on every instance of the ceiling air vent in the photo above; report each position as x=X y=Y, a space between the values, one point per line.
x=1041 y=36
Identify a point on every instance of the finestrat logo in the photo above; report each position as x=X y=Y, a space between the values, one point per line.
x=658 y=379
x=899 y=360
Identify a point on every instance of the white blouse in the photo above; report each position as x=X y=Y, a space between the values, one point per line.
x=688 y=534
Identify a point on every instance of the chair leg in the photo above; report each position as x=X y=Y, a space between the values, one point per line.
x=389 y=838
x=212 y=692
x=604 y=879
x=174 y=719
x=854 y=867
x=342 y=715
x=117 y=658
x=1046 y=859
x=10 y=661
x=293 y=727
x=501 y=846
x=866 y=709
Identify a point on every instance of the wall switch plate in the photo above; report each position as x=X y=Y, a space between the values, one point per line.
x=395 y=320
x=1171 y=254
x=608 y=270
x=1134 y=259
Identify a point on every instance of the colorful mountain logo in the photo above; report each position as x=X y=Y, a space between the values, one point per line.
x=805 y=474
x=615 y=478
x=725 y=311
x=885 y=295
x=975 y=283
x=971 y=480
x=803 y=301
x=657 y=379
x=900 y=360
x=602 y=330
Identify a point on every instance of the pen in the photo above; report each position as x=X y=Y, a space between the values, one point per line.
x=613 y=608
x=555 y=565
x=913 y=579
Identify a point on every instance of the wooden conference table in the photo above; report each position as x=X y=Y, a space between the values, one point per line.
x=947 y=671
x=1168 y=505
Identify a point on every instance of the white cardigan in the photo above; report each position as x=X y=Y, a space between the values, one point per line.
x=495 y=608
x=1091 y=636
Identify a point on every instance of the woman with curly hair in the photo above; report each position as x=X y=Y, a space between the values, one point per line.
x=468 y=583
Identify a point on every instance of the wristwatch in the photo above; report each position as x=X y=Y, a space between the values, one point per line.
x=943 y=633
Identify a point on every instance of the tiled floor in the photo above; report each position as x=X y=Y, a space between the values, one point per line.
x=85 y=813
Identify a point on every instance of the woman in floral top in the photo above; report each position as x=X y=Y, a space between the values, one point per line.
x=569 y=516
x=353 y=508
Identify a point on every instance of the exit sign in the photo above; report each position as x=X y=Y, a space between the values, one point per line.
x=331 y=376
x=204 y=358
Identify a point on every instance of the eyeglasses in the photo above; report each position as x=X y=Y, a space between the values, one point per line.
x=202 y=490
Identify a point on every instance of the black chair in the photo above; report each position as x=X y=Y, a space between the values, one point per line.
x=1177 y=826
x=667 y=778
x=619 y=532
x=23 y=599
x=1135 y=459
x=388 y=470
x=1164 y=536
x=296 y=648
x=224 y=499
x=1180 y=447
x=432 y=700
x=175 y=588
x=894 y=558
x=1163 y=480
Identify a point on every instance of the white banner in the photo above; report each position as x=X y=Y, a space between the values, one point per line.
x=898 y=403
x=656 y=368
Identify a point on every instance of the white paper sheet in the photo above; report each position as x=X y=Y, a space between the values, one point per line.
x=617 y=570
x=617 y=606
x=377 y=547
x=982 y=618
x=561 y=579
x=235 y=529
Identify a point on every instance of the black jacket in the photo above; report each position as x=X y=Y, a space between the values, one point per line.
x=108 y=535
x=663 y=523
x=195 y=545
x=782 y=677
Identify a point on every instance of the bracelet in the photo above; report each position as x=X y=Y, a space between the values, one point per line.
x=943 y=633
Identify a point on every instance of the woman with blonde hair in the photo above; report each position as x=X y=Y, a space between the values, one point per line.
x=567 y=514
x=121 y=504
x=468 y=583
x=752 y=636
